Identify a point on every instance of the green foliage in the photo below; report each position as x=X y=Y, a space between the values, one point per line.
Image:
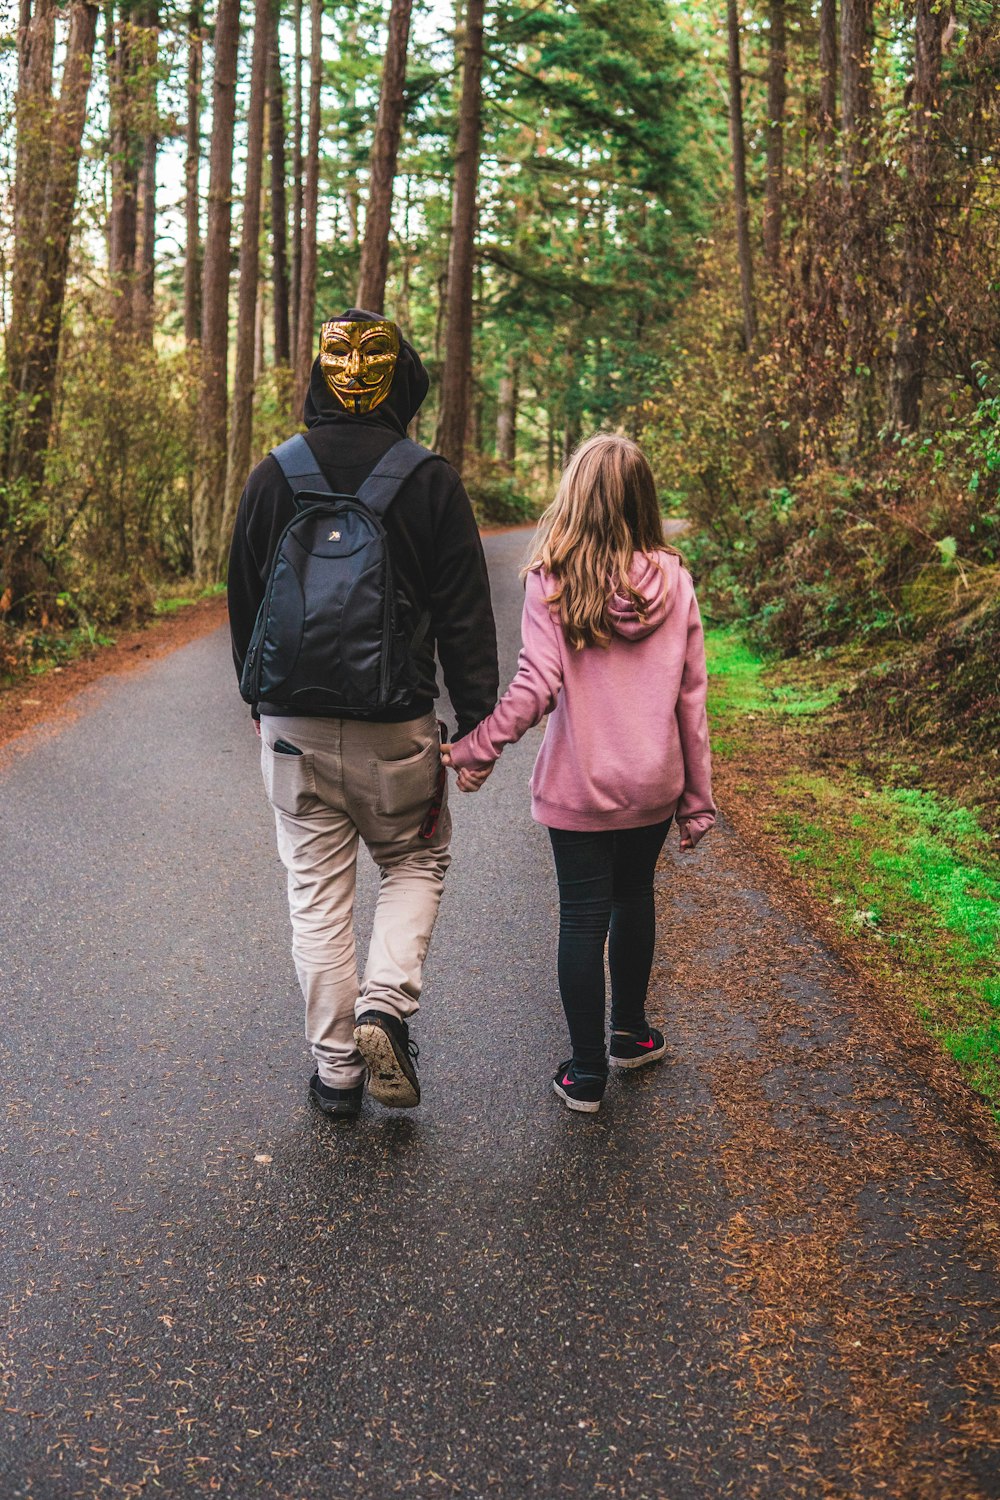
x=498 y=498
x=117 y=479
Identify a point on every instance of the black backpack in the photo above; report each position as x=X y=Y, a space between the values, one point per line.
x=329 y=634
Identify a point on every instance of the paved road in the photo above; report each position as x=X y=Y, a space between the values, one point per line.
x=764 y=1269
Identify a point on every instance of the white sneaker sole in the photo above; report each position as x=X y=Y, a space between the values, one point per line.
x=386 y=1080
x=584 y=1106
x=639 y=1062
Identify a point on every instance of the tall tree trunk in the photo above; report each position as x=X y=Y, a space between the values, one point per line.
x=827 y=72
x=121 y=44
x=740 y=177
x=385 y=148
x=45 y=214
x=279 y=207
x=457 y=375
x=777 y=67
x=35 y=110
x=912 y=334
x=241 y=422
x=149 y=123
x=211 y=478
x=296 y=281
x=856 y=17
x=507 y=414
x=855 y=69
x=350 y=50
x=192 y=163
x=307 y=290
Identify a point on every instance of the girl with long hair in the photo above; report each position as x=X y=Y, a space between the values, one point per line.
x=613 y=651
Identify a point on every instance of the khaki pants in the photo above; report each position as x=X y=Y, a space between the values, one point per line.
x=356 y=779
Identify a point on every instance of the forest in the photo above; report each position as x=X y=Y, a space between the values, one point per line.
x=762 y=239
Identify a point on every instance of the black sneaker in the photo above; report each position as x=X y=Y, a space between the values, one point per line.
x=384 y=1043
x=634 y=1049
x=343 y=1104
x=579 y=1090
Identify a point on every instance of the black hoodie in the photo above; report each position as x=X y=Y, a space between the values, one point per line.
x=434 y=543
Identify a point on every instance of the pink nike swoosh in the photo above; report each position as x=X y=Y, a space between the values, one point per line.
x=567 y=1082
x=650 y=1043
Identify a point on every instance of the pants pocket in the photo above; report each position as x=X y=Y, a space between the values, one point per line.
x=401 y=786
x=289 y=780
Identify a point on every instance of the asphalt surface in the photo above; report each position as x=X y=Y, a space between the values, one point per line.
x=209 y=1288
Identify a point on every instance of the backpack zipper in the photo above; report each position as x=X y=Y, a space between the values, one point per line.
x=266 y=602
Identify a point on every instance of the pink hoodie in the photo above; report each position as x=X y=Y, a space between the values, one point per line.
x=626 y=743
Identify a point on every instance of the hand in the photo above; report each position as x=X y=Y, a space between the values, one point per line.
x=256 y=727
x=471 y=781
x=693 y=830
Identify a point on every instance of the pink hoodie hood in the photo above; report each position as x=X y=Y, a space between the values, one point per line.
x=655 y=578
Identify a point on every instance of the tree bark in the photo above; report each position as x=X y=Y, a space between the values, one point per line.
x=145 y=247
x=777 y=68
x=125 y=151
x=507 y=414
x=192 y=164
x=211 y=478
x=41 y=259
x=856 y=18
x=307 y=290
x=912 y=332
x=740 y=177
x=385 y=149
x=279 y=207
x=351 y=182
x=241 y=421
x=296 y=280
x=35 y=110
x=828 y=72
x=457 y=375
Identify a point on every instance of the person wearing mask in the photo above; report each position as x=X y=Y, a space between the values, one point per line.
x=341 y=767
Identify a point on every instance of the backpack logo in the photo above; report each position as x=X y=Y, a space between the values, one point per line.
x=334 y=536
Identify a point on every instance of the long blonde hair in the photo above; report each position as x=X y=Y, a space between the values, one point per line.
x=605 y=510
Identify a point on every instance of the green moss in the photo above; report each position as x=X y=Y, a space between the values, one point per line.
x=913 y=877
x=740 y=682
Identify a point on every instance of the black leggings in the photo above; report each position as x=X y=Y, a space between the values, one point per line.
x=605 y=891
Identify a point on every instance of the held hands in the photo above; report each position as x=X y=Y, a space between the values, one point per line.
x=468 y=780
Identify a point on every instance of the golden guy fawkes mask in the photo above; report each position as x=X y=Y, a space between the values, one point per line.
x=358 y=361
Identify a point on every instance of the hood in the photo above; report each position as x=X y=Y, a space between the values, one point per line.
x=657 y=580
x=410 y=385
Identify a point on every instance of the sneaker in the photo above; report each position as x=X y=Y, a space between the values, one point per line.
x=634 y=1049
x=384 y=1043
x=343 y=1104
x=578 y=1090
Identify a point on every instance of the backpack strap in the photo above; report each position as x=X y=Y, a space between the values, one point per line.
x=390 y=474
x=380 y=489
x=298 y=463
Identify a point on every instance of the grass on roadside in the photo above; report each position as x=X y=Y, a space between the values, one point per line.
x=168 y=603
x=912 y=876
